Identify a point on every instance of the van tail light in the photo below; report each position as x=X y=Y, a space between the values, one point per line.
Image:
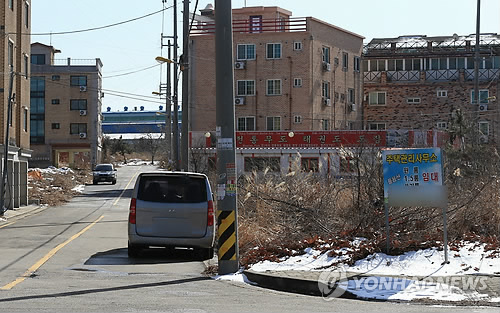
x=131 y=215
x=210 y=213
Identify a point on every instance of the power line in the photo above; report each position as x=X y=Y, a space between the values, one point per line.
x=94 y=28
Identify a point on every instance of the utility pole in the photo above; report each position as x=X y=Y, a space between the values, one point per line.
x=5 y=168
x=476 y=64
x=176 y=95
x=168 y=109
x=226 y=167
x=185 y=89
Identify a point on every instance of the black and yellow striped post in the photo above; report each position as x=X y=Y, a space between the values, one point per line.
x=227 y=235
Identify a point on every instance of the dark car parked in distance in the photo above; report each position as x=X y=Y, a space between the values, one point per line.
x=104 y=173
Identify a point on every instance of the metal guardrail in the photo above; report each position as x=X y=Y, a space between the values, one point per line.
x=73 y=62
x=256 y=26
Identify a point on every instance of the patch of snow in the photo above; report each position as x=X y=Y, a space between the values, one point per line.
x=236 y=277
x=79 y=188
x=388 y=288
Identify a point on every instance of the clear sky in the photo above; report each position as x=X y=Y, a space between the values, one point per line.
x=127 y=49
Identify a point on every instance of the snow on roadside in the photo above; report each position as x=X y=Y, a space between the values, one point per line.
x=236 y=277
x=421 y=273
x=471 y=258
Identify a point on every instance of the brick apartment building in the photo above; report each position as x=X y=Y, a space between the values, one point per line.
x=65 y=109
x=419 y=82
x=290 y=73
x=15 y=51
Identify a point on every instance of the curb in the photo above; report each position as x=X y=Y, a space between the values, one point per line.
x=293 y=285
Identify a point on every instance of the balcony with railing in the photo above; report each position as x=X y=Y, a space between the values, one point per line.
x=252 y=26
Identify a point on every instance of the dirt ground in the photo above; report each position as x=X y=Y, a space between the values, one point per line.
x=55 y=186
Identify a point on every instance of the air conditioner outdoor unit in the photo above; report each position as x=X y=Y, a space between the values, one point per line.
x=327 y=102
x=83 y=135
x=240 y=65
x=352 y=107
x=483 y=107
x=83 y=112
x=327 y=67
x=83 y=88
x=239 y=101
x=483 y=139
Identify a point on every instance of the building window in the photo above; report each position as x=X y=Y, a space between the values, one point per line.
x=345 y=61
x=56 y=77
x=56 y=126
x=309 y=164
x=326 y=55
x=37 y=110
x=78 y=104
x=376 y=98
x=325 y=124
x=357 y=64
x=442 y=93
x=25 y=119
x=483 y=96
x=26 y=14
x=273 y=87
x=297 y=119
x=260 y=164
x=26 y=66
x=38 y=59
x=351 y=96
x=77 y=128
x=297 y=45
x=245 y=52
x=442 y=125
x=412 y=64
x=246 y=123
x=325 y=90
x=377 y=65
x=297 y=82
x=245 y=87
x=78 y=80
x=56 y=101
x=11 y=55
x=273 y=123
x=484 y=128
x=413 y=100
x=11 y=5
x=376 y=126
x=273 y=51
x=395 y=65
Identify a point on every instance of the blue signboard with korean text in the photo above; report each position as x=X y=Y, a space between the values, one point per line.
x=413 y=177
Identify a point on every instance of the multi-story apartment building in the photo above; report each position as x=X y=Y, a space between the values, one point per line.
x=419 y=82
x=65 y=109
x=290 y=73
x=15 y=26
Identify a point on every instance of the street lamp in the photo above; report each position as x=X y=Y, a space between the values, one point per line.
x=169 y=100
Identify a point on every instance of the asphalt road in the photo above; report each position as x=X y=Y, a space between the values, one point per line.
x=73 y=258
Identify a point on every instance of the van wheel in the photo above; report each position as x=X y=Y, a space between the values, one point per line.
x=133 y=250
x=204 y=254
x=95 y=182
x=114 y=182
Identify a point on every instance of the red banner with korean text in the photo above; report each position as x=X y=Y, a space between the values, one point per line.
x=310 y=139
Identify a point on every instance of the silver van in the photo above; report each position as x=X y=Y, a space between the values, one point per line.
x=172 y=209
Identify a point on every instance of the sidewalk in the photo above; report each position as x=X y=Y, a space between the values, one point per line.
x=17 y=213
x=486 y=291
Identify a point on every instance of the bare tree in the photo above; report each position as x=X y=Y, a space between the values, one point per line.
x=151 y=143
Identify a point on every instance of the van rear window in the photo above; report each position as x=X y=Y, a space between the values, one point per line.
x=172 y=189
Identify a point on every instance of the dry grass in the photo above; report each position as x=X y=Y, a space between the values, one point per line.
x=279 y=215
